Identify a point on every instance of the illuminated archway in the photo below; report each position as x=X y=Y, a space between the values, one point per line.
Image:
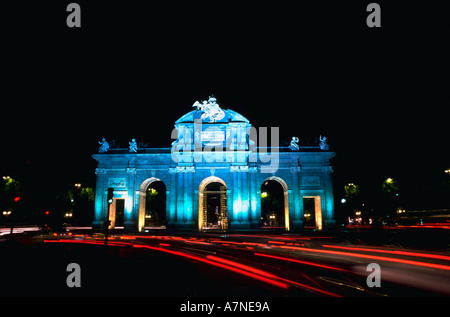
x=312 y=207
x=152 y=216
x=272 y=217
x=212 y=206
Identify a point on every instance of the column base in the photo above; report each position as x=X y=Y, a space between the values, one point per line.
x=130 y=226
x=297 y=224
x=329 y=224
x=97 y=225
x=184 y=225
x=245 y=224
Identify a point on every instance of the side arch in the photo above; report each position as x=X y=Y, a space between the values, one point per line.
x=142 y=200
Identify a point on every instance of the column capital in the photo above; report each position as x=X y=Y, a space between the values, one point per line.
x=100 y=171
x=295 y=169
x=182 y=169
x=327 y=169
x=131 y=170
x=240 y=168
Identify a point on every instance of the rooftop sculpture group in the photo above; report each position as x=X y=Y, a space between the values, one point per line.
x=133 y=146
x=211 y=109
x=104 y=146
x=323 y=145
x=294 y=146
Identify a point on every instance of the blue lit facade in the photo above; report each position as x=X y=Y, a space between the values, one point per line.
x=215 y=146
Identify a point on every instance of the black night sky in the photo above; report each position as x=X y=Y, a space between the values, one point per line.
x=379 y=95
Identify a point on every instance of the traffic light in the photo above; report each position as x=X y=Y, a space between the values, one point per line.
x=16 y=199
x=110 y=195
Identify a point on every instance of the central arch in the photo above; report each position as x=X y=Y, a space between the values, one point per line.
x=285 y=198
x=212 y=188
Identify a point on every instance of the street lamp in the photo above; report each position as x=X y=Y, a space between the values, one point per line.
x=447 y=171
x=390 y=185
x=7 y=213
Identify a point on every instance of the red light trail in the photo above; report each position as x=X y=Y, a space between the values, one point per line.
x=257 y=271
x=299 y=261
x=227 y=267
x=371 y=257
x=273 y=271
x=417 y=254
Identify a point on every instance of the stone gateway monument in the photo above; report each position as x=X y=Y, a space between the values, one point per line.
x=219 y=173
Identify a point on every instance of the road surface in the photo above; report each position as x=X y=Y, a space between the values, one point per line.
x=219 y=264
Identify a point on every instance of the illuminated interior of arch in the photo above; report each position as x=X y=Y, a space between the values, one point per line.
x=212 y=211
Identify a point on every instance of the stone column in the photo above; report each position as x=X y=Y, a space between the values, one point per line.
x=297 y=215
x=328 y=213
x=189 y=196
x=171 y=200
x=241 y=197
x=234 y=199
x=100 y=199
x=131 y=215
x=245 y=221
x=255 y=216
x=180 y=198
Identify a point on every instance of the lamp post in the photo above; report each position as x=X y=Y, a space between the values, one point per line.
x=7 y=213
x=12 y=187
x=272 y=220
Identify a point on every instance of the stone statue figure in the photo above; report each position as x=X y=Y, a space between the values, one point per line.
x=294 y=144
x=133 y=145
x=323 y=143
x=104 y=146
x=211 y=109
